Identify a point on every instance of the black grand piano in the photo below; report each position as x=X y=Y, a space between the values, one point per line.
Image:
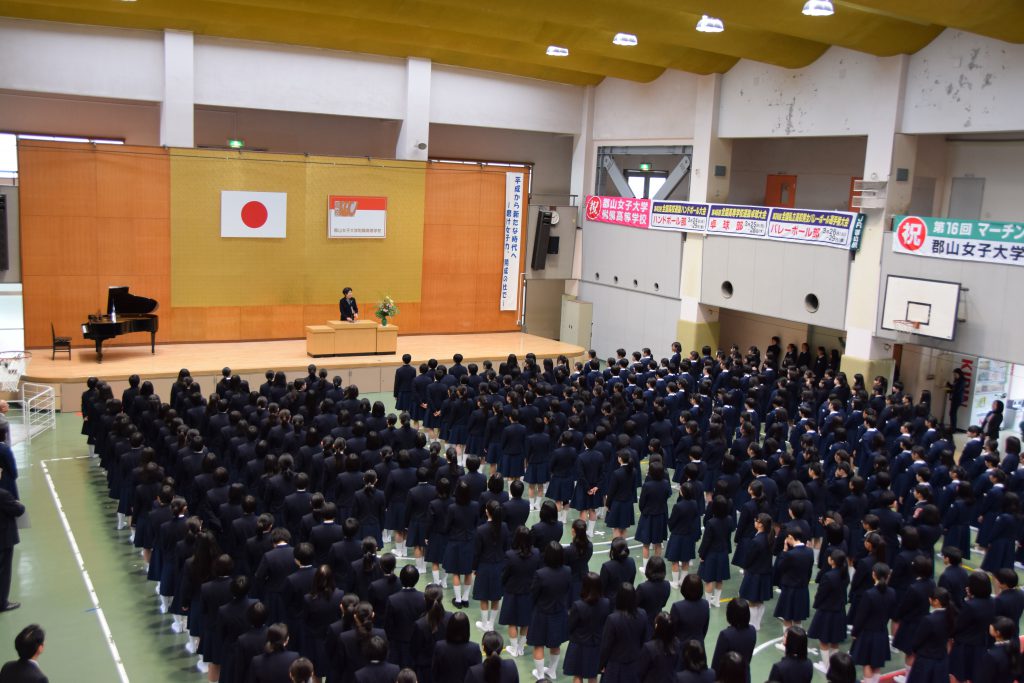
x=125 y=313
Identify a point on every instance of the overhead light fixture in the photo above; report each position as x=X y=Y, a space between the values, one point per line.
x=710 y=25
x=555 y=51
x=625 y=39
x=819 y=8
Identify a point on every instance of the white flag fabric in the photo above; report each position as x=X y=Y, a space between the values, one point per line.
x=253 y=214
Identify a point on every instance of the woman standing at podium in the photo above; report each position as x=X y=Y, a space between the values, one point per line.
x=347 y=306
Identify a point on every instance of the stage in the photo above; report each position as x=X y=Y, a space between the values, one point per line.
x=371 y=373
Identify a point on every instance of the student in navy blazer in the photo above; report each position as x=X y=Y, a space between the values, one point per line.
x=429 y=629
x=549 y=626
x=930 y=641
x=738 y=637
x=691 y=616
x=273 y=664
x=377 y=669
x=970 y=631
x=493 y=669
x=794 y=667
x=400 y=615
x=522 y=561
x=912 y=606
x=623 y=638
x=587 y=618
x=1001 y=663
x=350 y=648
x=792 y=574
x=404 y=395
x=659 y=655
x=456 y=654
x=870 y=624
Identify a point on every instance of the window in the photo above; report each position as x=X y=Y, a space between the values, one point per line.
x=645 y=184
x=8 y=156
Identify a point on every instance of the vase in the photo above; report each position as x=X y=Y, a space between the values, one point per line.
x=383 y=321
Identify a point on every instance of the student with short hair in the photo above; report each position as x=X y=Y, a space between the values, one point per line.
x=29 y=644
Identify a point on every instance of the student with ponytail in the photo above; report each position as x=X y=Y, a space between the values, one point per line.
x=429 y=629
x=491 y=542
x=577 y=556
x=623 y=638
x=369 y=507
x=829 y=622
x=684 y=528
x=620 y=496
x=714 y=550
x=652 y=530
x=658 y=656
x=794 y=667
x=460 y=526
x=1002 y=662
x=272 y=666
x=870 y=625
x=522 y=562
x=435 y=533
x=587 y=617
x=350 y=649
x=930 y=641
x=366 y=569
x=493 y=669
x=549 y=627
x=970 y=631
x=756 y=587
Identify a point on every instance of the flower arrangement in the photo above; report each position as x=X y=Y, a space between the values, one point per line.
x=386 y=309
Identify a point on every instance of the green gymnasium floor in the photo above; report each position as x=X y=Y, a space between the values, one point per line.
x=82 y=640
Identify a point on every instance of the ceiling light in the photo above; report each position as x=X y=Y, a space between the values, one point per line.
x=555 y=51
x=818 y=8
x=626 y=39
x=710 y=25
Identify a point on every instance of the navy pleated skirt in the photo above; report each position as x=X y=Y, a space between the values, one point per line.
x=681 y=547
x=560 y=489
x=652 y=529
x=871 y=649
x=794 y=604
x=927 y=670
x=757 y=588
x=620 y=515
x=548 y=630
x=487 y=582
x=436 y=544
x=516 y=610
x=828 y=627
x=583 y=661
x=714 y=567
x=458 y=557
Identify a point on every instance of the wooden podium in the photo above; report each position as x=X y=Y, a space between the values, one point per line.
x=342 y=338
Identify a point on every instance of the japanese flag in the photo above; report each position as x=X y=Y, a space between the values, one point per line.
x=253 y=214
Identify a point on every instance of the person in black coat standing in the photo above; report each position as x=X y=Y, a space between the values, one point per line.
x=10 y=509
x=625 y=631
x=29 y=644
x=931 y=638
x=739 y=637
x=348 y=309
x=273 y=664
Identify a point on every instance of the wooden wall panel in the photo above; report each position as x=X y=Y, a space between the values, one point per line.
x=463 y=235
x=92 y=216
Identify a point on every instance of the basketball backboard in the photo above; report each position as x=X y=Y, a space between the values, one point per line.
x=931 y=304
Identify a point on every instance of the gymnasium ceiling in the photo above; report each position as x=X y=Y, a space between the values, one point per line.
x=511 y=37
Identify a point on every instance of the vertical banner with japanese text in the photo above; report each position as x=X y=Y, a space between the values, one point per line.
x=512 y=244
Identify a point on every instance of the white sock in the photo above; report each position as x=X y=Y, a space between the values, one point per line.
x=675 y=577
x=718 y=595
x=554 y=665
x=444 y=578
x=386 y=536
x=436 y=573
x=120 y=520
x=710 y=597
x=521 y=644
x=756 y=614
x=458 y=592
x=825 y=656
x=421 y=565
x=817 y=552
x=538 y=668
x=485 y=617
x=591 y=525
x=563 y=516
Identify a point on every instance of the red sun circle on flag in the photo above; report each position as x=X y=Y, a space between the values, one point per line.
x=254 y=215
x=911 y=232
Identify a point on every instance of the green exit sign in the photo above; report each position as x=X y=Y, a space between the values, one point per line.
x=236 y=144
x=645 y=167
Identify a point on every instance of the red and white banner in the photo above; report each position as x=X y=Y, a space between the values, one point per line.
x=253 y=214
x=357 y=216
x=633 y=213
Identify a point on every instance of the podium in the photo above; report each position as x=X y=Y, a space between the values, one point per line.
x=342 y=338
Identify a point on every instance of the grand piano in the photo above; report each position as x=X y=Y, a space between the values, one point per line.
x=126 y=313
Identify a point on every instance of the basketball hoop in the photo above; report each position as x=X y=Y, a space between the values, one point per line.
x=905 y=329
x=12 y=367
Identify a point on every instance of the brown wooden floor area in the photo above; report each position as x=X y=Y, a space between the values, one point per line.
x=289 y=356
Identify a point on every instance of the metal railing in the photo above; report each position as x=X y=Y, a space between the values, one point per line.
x=35 y=410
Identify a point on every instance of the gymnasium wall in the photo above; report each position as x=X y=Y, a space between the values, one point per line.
x=149 y=218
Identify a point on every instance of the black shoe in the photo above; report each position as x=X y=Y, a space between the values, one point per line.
x=457 y=604
x=10 y=606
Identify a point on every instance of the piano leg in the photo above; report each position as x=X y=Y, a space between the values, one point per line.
x=99 y=350
x=152 y=342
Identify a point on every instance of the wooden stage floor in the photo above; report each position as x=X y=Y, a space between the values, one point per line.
x=252 y=358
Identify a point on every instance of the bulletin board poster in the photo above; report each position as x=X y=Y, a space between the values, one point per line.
x=359 y=217
x=512 y=243
x=961 y=240
x=825 y=228
x=633 y=213
x=681 y=216
x=738 y=221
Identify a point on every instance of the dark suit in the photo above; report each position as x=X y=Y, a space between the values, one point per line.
x=10 y=510
x=22 y=671
x=348 y=308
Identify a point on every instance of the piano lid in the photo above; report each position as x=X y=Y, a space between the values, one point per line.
x=129 y=304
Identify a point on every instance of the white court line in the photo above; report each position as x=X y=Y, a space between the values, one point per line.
x=765 y=645
x=85 y=574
